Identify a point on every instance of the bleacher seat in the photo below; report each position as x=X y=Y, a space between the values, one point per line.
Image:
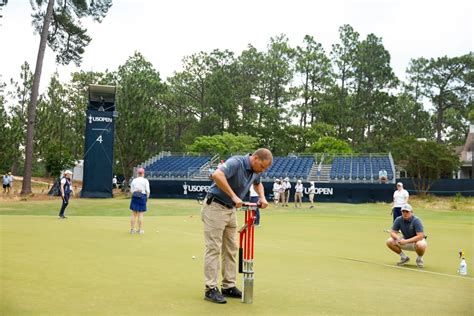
x=177 y=166
x=360 y=168
x=291 y=167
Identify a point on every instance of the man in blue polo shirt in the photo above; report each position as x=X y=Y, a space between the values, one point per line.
x=231 y=182
x=413 y=236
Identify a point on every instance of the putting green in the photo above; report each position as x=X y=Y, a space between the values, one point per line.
x=327 y=260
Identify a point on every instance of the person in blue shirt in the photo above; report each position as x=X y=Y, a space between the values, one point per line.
x=412 y=239
x=231 y=183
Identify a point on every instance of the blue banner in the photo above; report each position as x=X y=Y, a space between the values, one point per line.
x=98 y=154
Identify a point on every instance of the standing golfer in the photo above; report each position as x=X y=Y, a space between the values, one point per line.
x=400 y=198
x=140 y=188
x=413 y=236
x=65 y=188
x=231 y=182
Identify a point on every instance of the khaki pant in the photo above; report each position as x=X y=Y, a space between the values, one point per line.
x=220 y=229
x=298 y=198
x=282 y=198
x=411 y=246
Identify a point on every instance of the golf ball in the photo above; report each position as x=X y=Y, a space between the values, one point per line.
x=194 y=257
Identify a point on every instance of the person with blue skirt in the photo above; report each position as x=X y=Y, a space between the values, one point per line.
x=140 y=189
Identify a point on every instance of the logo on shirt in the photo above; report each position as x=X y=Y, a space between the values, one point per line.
x=99 y=119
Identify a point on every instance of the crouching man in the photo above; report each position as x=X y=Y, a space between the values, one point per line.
x=413 y=238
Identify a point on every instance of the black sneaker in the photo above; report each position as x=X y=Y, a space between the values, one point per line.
x=213 y=295
x=232 y=292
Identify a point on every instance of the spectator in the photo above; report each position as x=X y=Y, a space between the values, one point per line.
x=400 y=198
x=210 y=172
x=311 y=192
x=220 y=164
x=298 y=193
x=287 y=187
x=281 y=194
x=254 y=199
x=114 y=182
x=65 y=188
x=276 y=191
x=383 y=176
x=6 y=182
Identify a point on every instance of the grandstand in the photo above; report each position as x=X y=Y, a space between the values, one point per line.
x=293 y=167
x=175 y=166
x=352 y=168
x=363 y=168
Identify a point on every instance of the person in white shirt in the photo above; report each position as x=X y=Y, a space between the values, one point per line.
x=383 y=176
x=114 y=182
x=298 y=193
x=276 y=191
x=140 y=188
x=6 y=183
x=281 y=194
x=287 y=187
x=254 y=199
x=311 y=192
x=400 y=198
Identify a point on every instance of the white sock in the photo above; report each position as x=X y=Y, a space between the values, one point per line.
x=403 y=255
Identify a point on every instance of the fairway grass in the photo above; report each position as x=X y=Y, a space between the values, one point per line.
x=328 y=260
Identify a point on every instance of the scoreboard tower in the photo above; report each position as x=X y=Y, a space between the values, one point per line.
x=99 y=142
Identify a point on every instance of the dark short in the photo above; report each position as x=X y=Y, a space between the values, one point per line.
x=138 y=202
x=396 y=212
x=6 y=186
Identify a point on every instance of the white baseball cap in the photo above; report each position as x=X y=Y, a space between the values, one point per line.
x=68 y=172
x=407 y=207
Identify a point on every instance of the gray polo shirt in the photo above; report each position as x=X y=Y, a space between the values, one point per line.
x=408 y=228
x=239 y=175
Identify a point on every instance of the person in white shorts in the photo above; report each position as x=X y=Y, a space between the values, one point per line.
x=413 y=236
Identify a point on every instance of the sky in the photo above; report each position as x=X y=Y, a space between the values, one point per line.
x=166 y=31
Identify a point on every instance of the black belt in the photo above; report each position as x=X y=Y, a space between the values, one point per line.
x=212 y=198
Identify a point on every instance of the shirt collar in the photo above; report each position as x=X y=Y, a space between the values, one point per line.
x=247 y=165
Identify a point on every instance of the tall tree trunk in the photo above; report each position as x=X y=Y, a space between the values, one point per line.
x=30 y=128
x=439 y=124
x=342 y=97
